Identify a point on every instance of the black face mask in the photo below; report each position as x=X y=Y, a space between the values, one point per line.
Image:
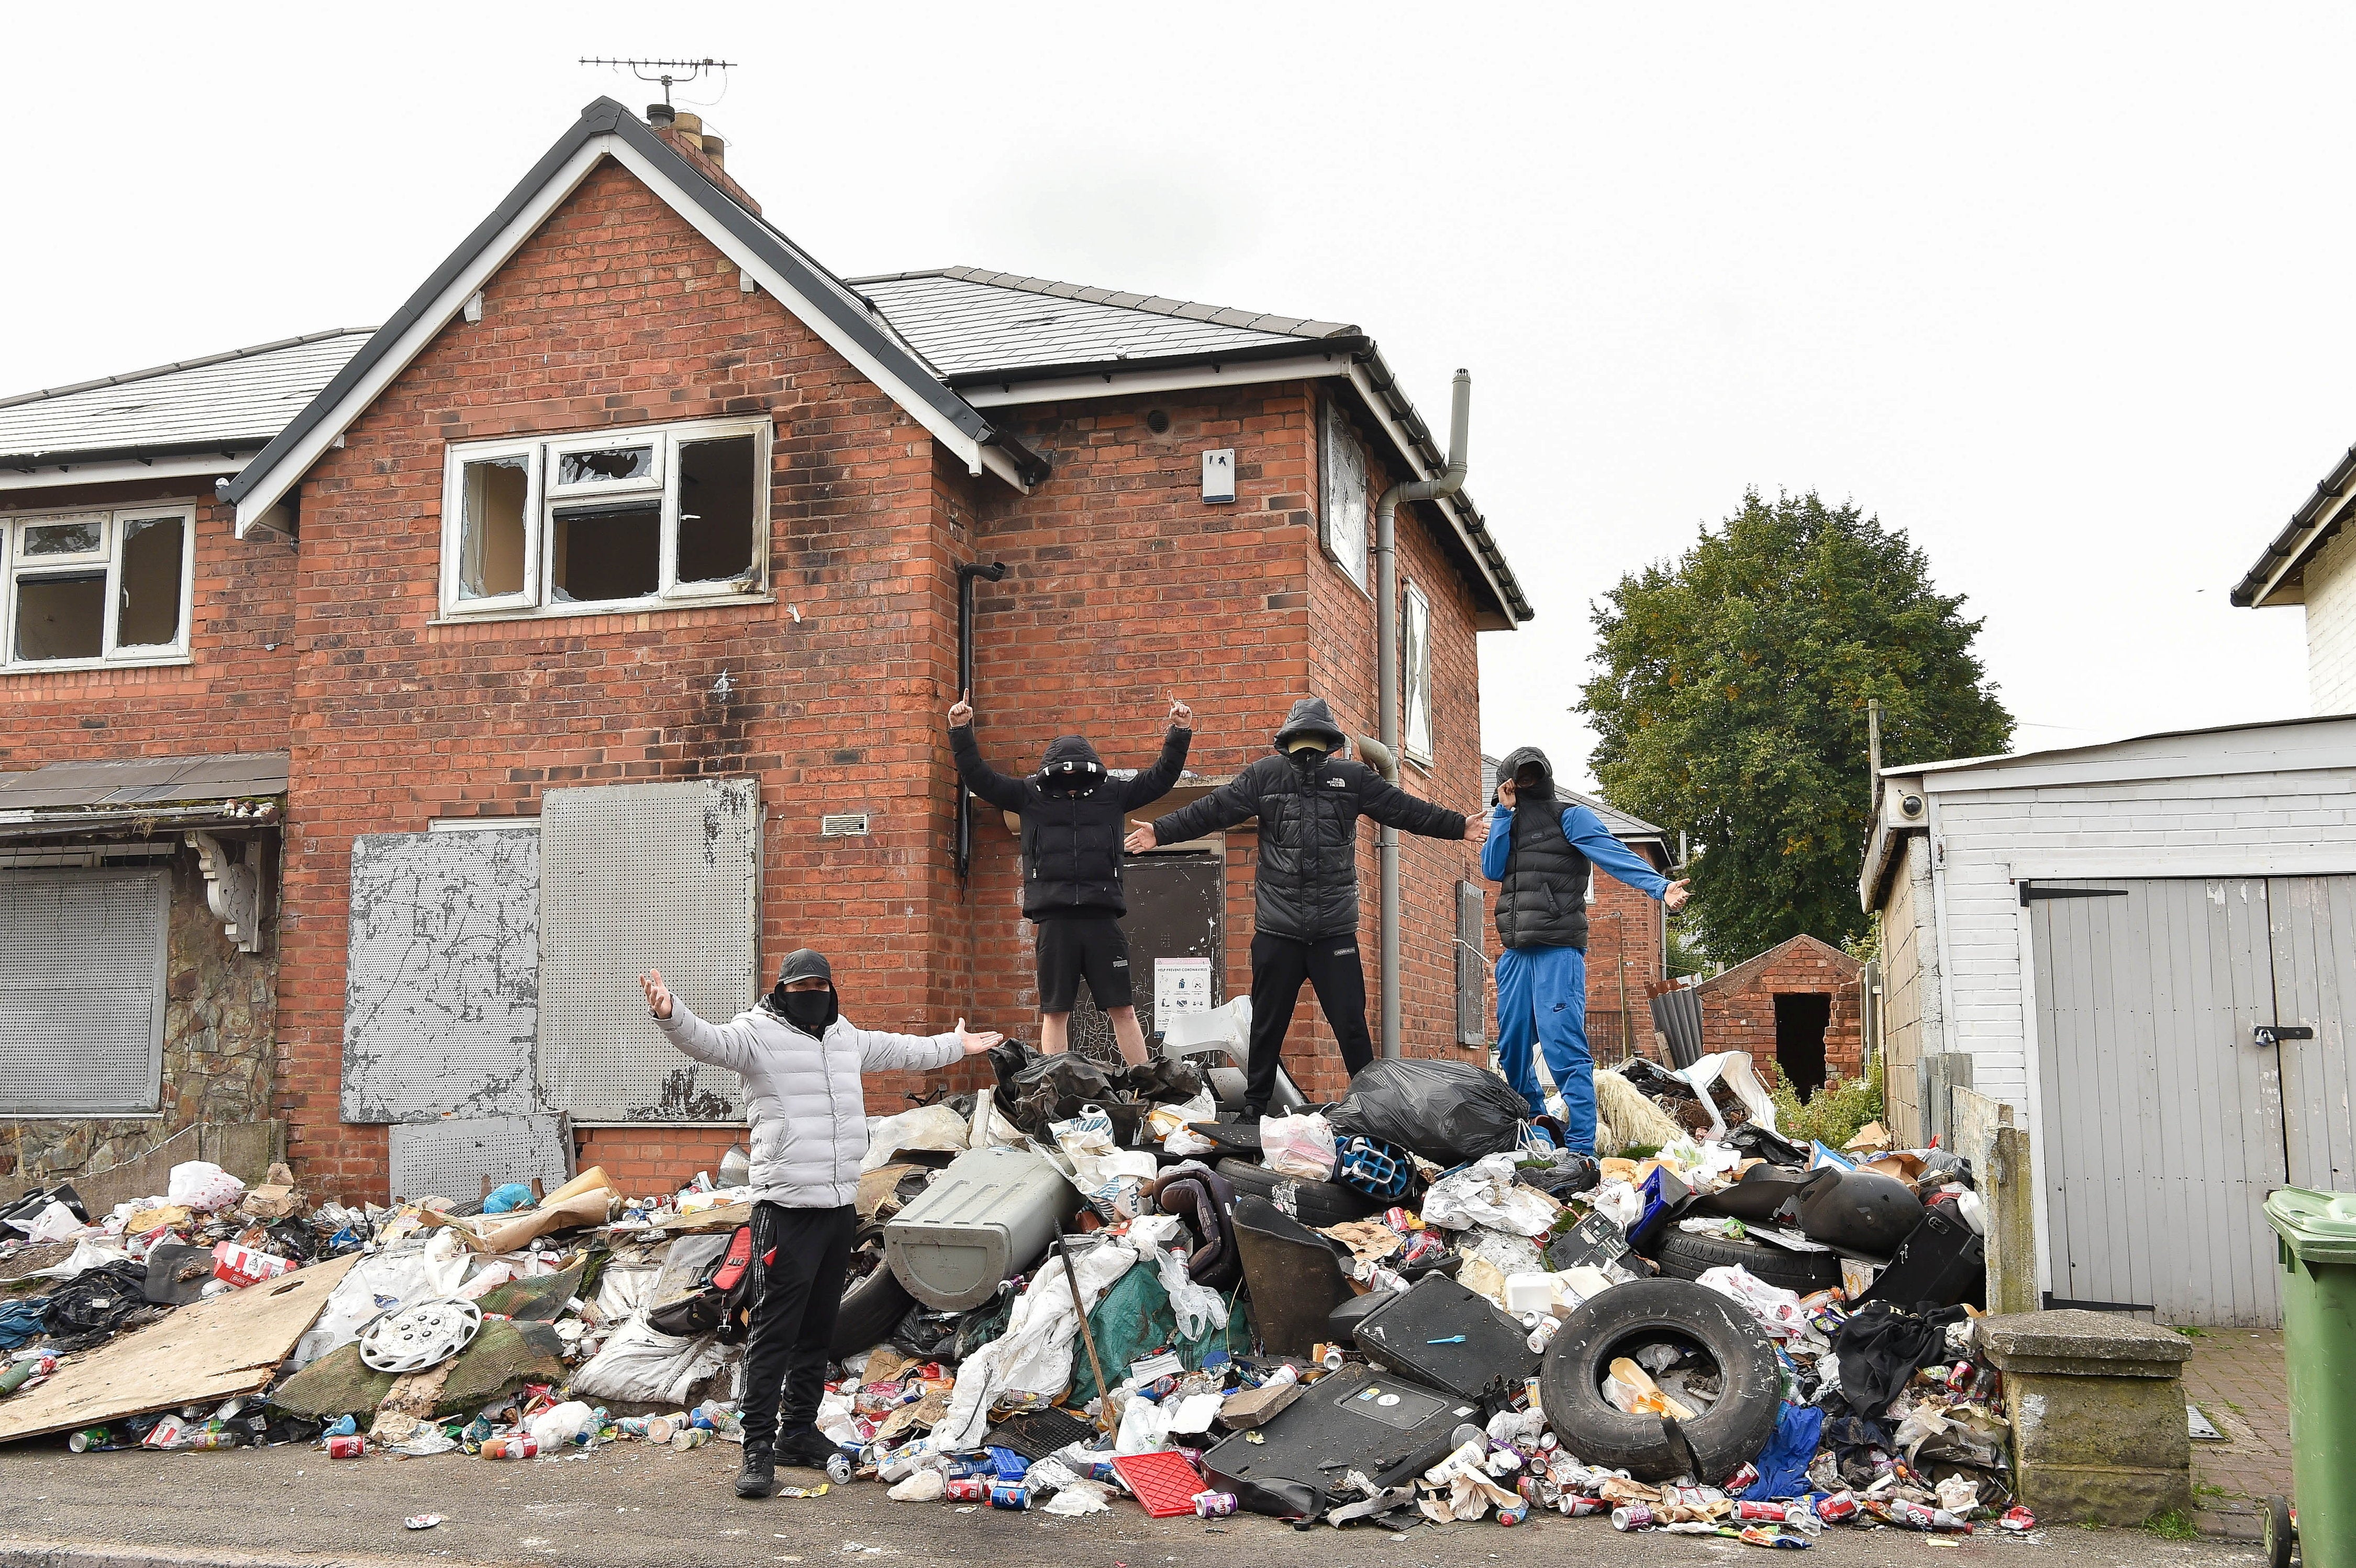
x=808 y=1010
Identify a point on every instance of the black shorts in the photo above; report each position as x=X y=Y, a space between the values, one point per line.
x=1071 y=951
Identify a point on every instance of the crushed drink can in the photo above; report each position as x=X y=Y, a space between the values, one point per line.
x=1400 y=1221
x=1752 y=1513
x=968 y=1489
x=88 y=1438
x=683 y=1441
x=1513 y=1513
x=1959 y=1377
x=1421 y=1248
x=629 y=1426
x=350 y=1447
x=1915 y=1515
x=1215 y=1505
x=1741 y=1480
x=2015 y=1518
x=1008 y=1495
x=1635 y=1516
x=1575 y=1505
x=838 y=1470
x=1840 y=1507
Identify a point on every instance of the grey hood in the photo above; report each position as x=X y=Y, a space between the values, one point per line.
x=1512 y=765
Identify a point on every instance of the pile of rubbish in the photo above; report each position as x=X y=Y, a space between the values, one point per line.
x=1413 y=1305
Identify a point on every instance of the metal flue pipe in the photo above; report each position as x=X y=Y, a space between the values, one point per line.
x=1387 y=656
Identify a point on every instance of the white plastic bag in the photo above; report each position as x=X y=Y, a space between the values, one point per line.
x=1485 y=1194
x=55 y=1223
x=1112 y=1180
x=1777 y=1310
x=930 y=1127
x=562 y=1426
x=204 y=1187
x=642 y=1363
x=1034 y=1354
x=1198 y=1308
x=1298 y=1147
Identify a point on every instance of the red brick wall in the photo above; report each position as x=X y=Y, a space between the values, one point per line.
x=1738 y=1008
x=1624 y=956
x=618 y=313
x=233 y=693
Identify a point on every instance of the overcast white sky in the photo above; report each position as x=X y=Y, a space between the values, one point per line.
x=2055 y=292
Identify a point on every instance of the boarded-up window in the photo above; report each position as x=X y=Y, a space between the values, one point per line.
x=82 y=990
x=1342 y=474
x=638 y=877
x=442 y=976
x=1472 y=967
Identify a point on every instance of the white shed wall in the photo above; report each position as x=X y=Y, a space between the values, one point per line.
x=2331 y=592
x=2266 y=800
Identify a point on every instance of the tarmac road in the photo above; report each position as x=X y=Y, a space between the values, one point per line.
x=630 y=1505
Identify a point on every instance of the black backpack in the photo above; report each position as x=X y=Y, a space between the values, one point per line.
x=722 y=1299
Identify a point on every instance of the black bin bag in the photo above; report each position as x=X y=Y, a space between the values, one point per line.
x=1449 y=1112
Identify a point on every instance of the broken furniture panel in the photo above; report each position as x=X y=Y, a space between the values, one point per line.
x=633 y=877
x=448 y=1158
x=442 y=998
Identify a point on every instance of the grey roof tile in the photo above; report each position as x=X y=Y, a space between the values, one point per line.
x=242 y=398
x=144 y=782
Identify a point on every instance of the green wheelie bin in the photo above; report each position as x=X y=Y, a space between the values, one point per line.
x=2316 y=1260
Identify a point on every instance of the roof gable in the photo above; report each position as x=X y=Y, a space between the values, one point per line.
x=608 y=130
x=1742 y=975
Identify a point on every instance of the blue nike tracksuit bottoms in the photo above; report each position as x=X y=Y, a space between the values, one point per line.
x=1542 y=1001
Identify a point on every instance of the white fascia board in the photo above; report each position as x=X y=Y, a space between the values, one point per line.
x=2284 y=567
x=2141 y=770
x=806 y=310
x=996 y=460
x=1183 y=378
x=69 y=472
x=285 y=474
x=1405 y=446
x=288 y=472
x=2206 y=860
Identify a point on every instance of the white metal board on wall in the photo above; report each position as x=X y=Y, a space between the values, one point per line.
x=449 y=1158
x=83 y=955
x=638 y=877
x=442 y=987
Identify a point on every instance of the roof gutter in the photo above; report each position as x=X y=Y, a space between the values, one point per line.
x=1356 y=343
x=2290 y=546
x=1449 y=481
x=232 y=451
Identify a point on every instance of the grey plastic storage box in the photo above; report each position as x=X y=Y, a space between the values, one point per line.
x=986 y=1218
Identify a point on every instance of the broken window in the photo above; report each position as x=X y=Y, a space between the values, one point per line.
x=1415 y=656
x=1341 y=473
x=549 y=526
x=495 y=497
x=716 y=486
x=97 y=587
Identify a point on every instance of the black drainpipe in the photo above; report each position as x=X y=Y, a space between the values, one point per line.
x=967 y=571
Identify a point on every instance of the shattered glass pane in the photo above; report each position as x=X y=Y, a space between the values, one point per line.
x=612 y=552
x=718 y=489
x=491 y=536
x=605 y=465
x=62 y=538
x=150 y=612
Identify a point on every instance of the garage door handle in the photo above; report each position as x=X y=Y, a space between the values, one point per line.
x=2274 y=1033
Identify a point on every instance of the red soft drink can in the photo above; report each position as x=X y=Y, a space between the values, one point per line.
x=1841 y=1506
x=968 y=1489
x=1741 y=1480
x=1575 y=1505
x=1215 y=1505
x=1399 y=1220
x=1750 y=1511
x=347 y=1448
x=1959 y=1377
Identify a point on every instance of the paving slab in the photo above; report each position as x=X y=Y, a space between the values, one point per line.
x=2235 y=1377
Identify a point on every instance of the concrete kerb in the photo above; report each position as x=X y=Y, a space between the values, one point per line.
x=72 y=1554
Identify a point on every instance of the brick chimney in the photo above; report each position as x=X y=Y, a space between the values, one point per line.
x=708 y=154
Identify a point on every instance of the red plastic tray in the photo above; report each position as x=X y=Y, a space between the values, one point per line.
x=1164 y=1482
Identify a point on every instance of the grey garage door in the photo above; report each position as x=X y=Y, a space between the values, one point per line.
x=2165 y=1125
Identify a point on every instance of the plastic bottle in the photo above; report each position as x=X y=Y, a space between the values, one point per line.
x=511 y=1448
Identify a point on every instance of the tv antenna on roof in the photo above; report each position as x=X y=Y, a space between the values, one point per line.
x=667 y=72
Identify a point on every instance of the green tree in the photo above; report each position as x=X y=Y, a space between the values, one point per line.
x=1731 y=703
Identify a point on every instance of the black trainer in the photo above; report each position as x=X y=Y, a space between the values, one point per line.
x=808 y=1447
x=759 y=1476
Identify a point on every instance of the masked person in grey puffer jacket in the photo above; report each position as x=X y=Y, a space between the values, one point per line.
x=801 y=1060
x=1308 y=800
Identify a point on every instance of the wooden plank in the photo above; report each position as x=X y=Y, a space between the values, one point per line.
x=204 y=1352
x=2250 y=1136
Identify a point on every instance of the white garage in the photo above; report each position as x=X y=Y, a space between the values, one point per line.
x=2149 y=947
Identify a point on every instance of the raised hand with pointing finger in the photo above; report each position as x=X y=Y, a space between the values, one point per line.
x=961 y=711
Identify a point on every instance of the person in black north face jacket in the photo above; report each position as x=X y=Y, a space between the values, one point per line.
x=1308 y=801
x=1072 y=811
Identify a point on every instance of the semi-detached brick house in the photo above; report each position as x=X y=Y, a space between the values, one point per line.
x=601 y=608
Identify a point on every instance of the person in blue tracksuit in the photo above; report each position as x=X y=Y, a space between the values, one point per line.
x=1541 y=851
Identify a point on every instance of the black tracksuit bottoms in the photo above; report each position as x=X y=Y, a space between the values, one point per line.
x=1279 y=966
x=803 y=1255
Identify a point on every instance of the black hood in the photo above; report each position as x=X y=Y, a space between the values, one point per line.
x=1512 y=765
x=1311 y=716
x=803 y=963
x=1071 y=763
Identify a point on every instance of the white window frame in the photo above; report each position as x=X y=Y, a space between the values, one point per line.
x=543 y=495
x=113 y=526
x=1337 y=444
x=1414 y=674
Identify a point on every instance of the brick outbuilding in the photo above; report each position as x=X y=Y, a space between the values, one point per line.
x=1796 y=1004
x=604 y=605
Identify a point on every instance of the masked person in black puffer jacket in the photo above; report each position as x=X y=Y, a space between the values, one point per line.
x=1072 y=811
x=1308 y=800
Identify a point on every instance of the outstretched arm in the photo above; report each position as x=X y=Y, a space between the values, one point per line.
x=1220 y=810
x=1395 y=808
x=1155 y=781
x=1588 y=835
x=726 y=1046
x=984 y=780
x=881 y=1052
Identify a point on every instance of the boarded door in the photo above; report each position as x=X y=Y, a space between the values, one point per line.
x=1177 y=905
x=2163 y=1123
x=636 y=877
